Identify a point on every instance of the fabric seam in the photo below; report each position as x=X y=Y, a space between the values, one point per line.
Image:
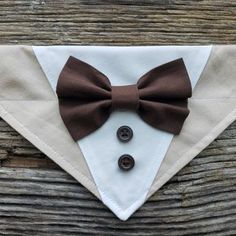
x=87 y=182
x=197 y=147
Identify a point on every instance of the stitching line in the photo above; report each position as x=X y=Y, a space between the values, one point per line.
x=86 y=179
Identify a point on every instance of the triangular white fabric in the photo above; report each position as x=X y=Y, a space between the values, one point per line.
x=123 y=192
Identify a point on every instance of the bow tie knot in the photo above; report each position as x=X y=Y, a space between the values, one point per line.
x=125 y=97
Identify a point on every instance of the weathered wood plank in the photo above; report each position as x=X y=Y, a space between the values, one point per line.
x=117 y=22
x=38 y=198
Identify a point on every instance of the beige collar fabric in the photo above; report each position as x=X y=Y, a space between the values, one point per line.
x=29 y=105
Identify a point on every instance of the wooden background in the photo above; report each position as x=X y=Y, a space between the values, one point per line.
x=38 y=198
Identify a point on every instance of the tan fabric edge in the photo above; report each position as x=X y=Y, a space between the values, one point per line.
x=19 y=72
x=193 y=152
x=90 y=185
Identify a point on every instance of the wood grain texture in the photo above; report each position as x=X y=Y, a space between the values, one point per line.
x=38 y=198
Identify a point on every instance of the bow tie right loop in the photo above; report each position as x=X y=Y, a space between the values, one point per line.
x=125 y=97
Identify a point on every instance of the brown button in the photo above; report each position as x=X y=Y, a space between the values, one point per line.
x=124 y=133
x=126 y=162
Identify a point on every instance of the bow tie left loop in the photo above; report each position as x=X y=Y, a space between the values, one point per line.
x=125 y=97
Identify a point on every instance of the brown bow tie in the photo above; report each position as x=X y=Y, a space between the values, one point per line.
x=86 y=97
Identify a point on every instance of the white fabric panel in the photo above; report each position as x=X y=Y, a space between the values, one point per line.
x=123 y=192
